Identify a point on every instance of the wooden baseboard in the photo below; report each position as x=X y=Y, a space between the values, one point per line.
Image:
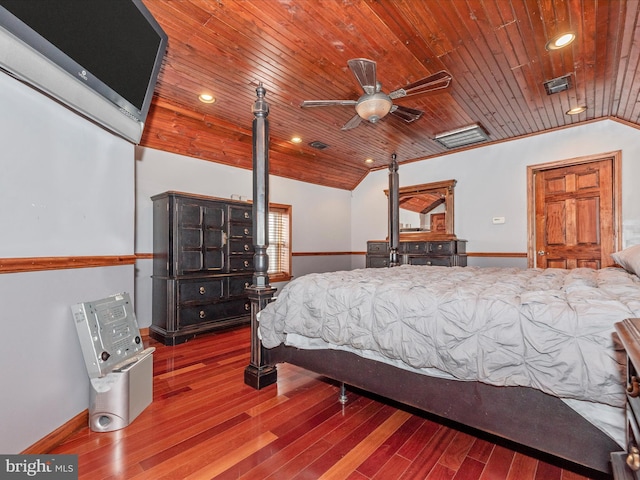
x=59 y=435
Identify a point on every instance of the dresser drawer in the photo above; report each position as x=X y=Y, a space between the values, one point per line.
x=240 y=214
x=436 y=261
x=200 y=290
x=377 y=262
x=240 y=231
x=237 y=308
x=240 y=263
x=240 y=246
x=237 y=285
x=441 y=247
x=215 y=311
x=377 y=247
x=414 y=247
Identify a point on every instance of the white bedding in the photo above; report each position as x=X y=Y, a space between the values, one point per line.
x=547 y=329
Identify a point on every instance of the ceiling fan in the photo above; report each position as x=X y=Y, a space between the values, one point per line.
x=375 y=104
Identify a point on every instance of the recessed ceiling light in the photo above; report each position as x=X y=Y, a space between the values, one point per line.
x=368 y=160
x=576 y=110
x=296 y=140
x=206 y=98
x=560 y=41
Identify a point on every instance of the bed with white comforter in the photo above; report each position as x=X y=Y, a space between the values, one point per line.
x=549 y=329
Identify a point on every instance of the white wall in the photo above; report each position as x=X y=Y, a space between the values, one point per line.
x=321 y=215
x=66 y=189
x=492 y=181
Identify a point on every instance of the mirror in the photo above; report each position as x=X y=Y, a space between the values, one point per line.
x=426 y=211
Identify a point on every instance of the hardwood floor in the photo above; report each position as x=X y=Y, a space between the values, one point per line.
x=204 y=423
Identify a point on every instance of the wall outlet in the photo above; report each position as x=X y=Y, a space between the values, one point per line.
x=497 y=220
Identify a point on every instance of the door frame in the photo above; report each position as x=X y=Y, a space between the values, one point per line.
x=615 y=157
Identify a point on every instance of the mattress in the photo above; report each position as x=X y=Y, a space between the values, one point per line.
x=549 y=329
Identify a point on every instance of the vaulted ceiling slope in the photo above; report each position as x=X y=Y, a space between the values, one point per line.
x=298 y=49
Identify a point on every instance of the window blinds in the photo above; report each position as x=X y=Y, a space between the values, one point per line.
x=279 y=248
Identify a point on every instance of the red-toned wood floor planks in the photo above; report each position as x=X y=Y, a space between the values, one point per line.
x=206 y=423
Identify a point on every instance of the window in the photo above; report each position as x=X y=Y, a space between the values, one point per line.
x=279 y=250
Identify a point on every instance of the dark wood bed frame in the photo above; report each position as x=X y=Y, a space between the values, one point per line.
x=525 y=416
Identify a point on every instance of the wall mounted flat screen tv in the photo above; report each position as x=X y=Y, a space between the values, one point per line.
x=115 y=47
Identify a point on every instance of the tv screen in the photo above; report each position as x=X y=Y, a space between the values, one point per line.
x=114 y=46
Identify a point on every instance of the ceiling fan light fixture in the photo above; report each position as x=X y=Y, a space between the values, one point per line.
x=461 y=137
x=560 y=41
x=373 y=107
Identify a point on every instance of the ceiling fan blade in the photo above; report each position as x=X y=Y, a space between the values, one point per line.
x=327 y=103
x=365 y=72
x=405 y=113
x=437 y=81
x=353 y=123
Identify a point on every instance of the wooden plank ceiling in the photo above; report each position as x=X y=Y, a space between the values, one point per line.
x=298 y=49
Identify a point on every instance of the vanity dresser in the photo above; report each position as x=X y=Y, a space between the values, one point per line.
x=202 y=264
x=433 y=242
x=444 y=252
x=626 y=465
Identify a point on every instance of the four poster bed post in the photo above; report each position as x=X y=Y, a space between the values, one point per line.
x=258 y=373
x=394 y=213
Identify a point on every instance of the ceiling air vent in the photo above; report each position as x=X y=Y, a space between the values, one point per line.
x=557 y=85
x=461 y=137
x=318 y=144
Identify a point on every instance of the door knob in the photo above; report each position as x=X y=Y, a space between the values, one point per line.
x=542 y=252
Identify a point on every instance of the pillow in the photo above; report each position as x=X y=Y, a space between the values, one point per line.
x=629 y=259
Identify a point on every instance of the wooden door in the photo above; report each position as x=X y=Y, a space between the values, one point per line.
x=574 y=215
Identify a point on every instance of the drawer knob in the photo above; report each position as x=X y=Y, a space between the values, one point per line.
x=246 y=263
x=633 y=389
x=246 y=214
x=247 y=307
x=246 y=284
x=633 y=459
x=246 y=248
x=246 y=231
x=202 y=314
x=202 y=290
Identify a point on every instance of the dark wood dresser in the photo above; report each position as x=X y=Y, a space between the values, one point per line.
x=202 y=263
x=626 y=465
x=446 y=253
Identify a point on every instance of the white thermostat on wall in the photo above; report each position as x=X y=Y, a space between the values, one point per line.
x=497 y=220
